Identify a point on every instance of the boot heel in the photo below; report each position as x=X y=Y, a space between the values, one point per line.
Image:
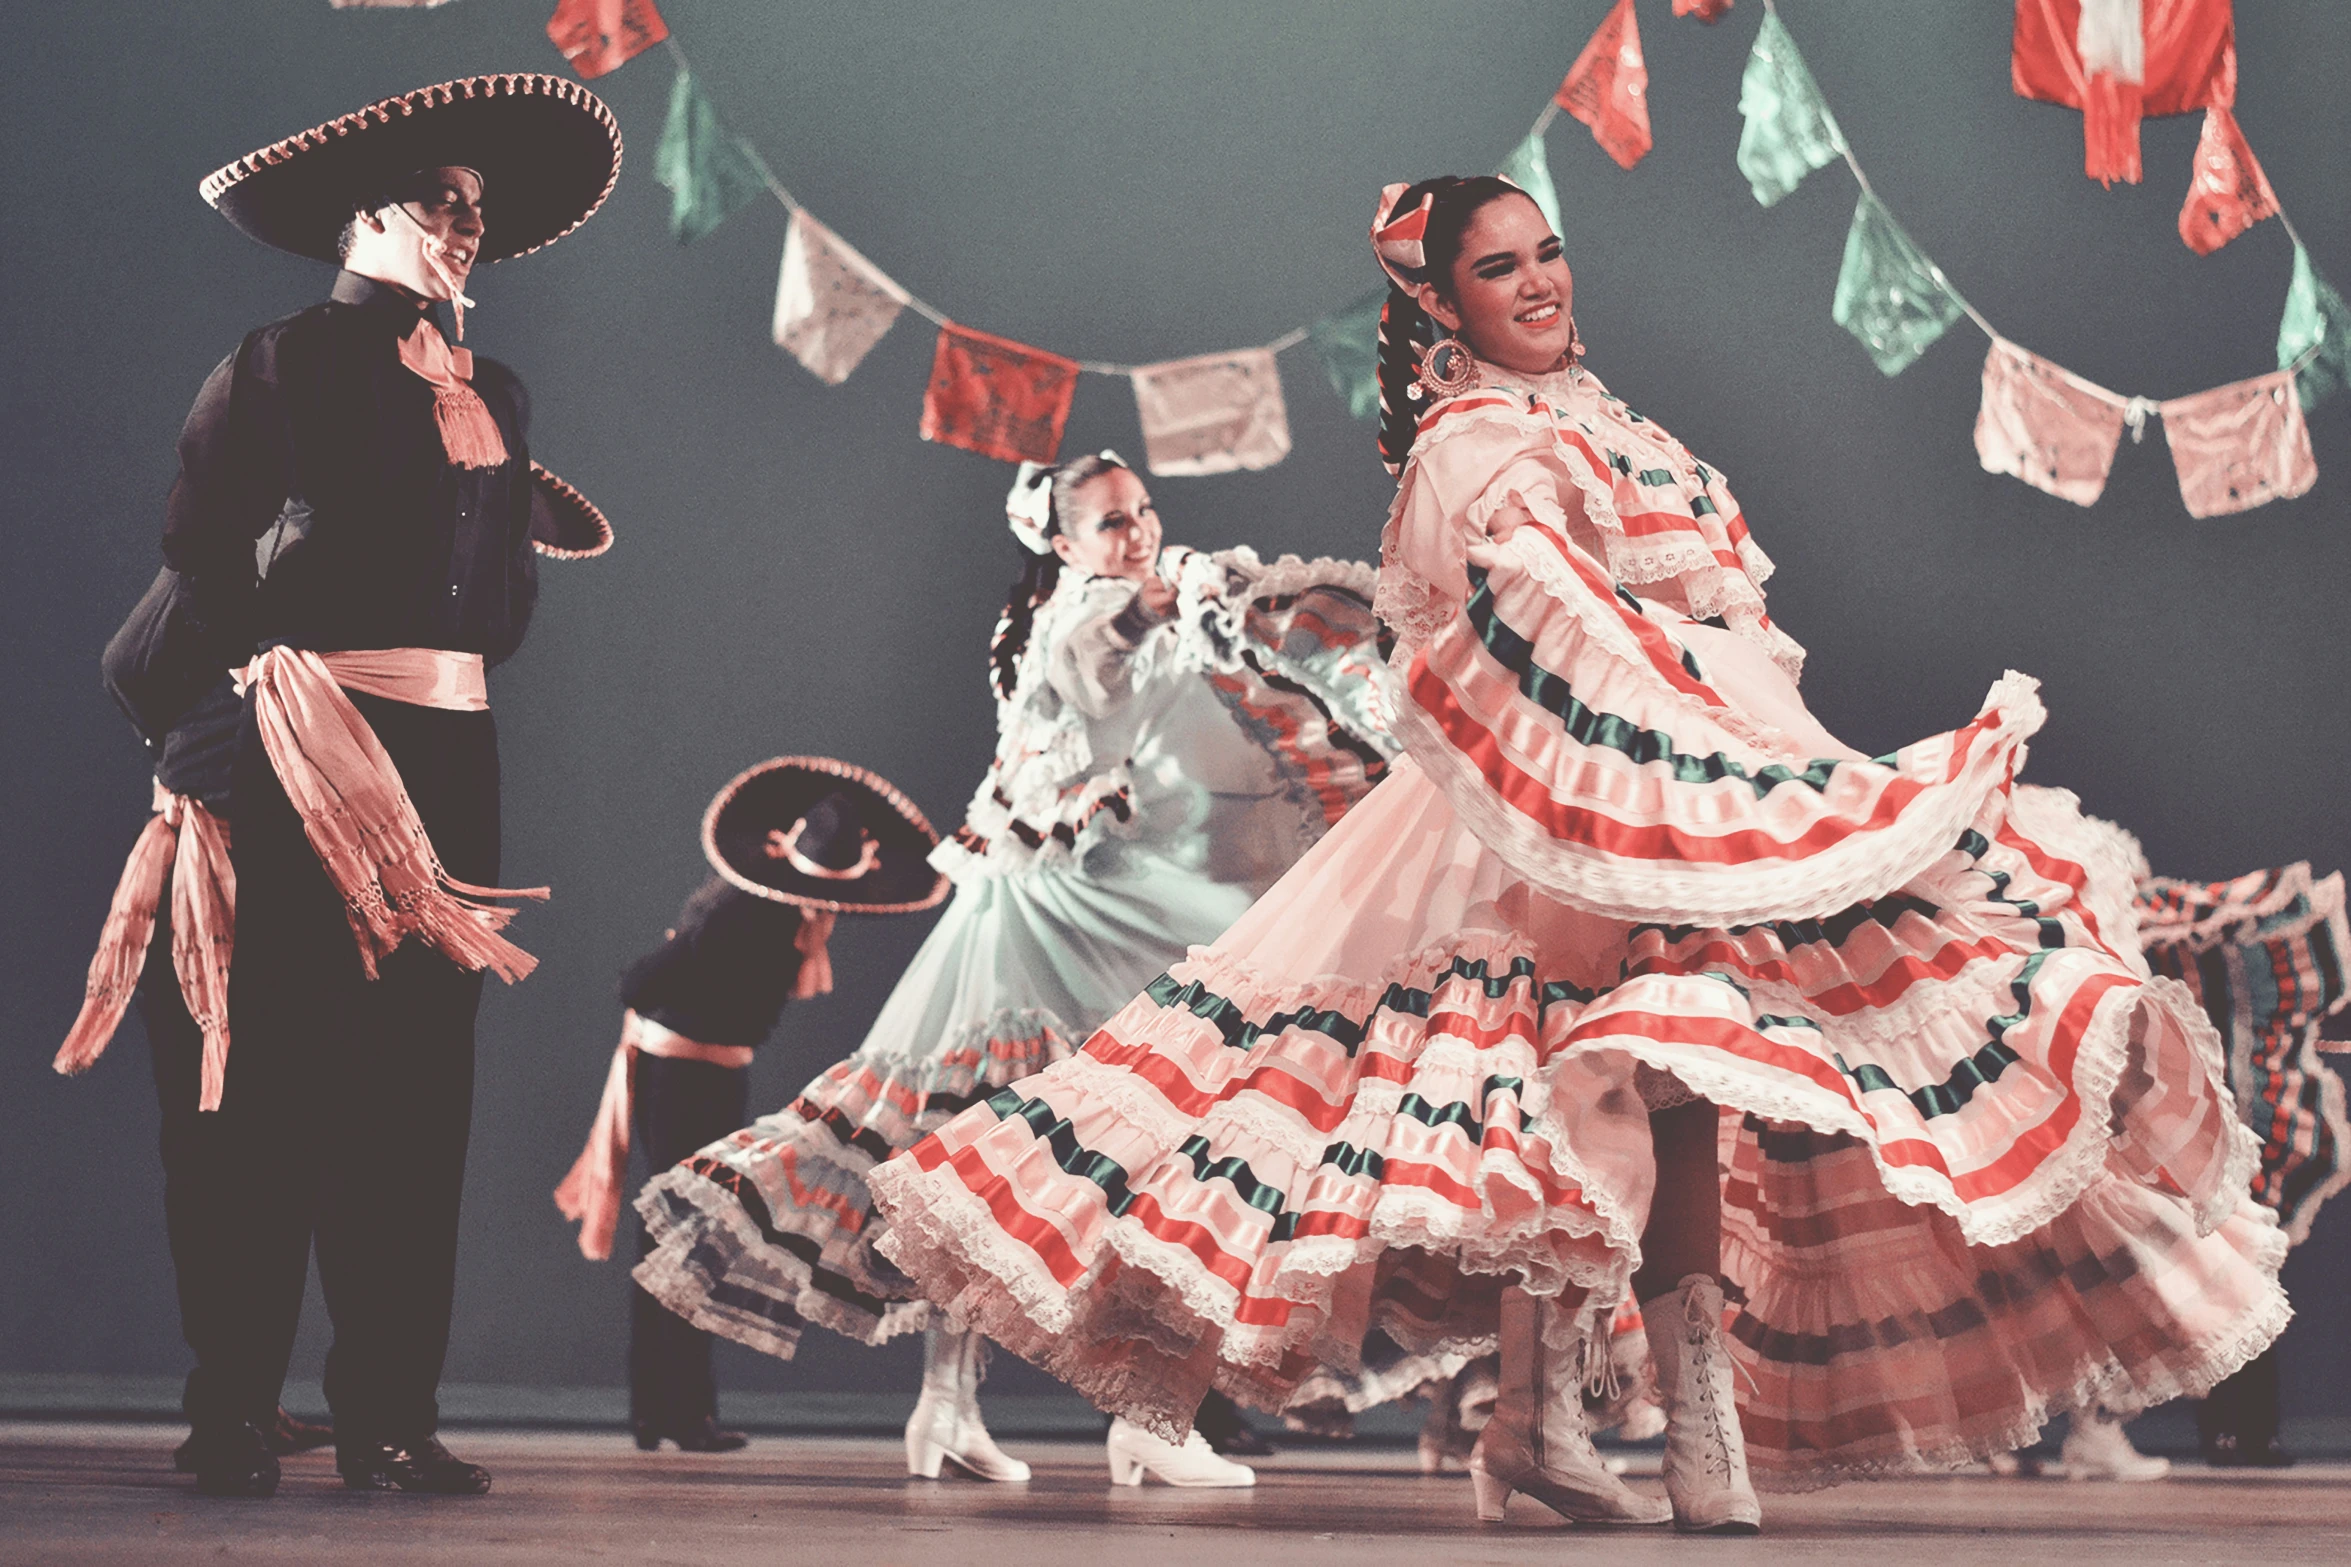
x=924 y=1451
x=1125 y=1470
x=1492 y=1493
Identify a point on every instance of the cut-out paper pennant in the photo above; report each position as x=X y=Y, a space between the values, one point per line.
x=1889 y=295
x=1213 y=414
x=1608 y=87
x=832 y=305
x=2228 y=193
x=1348 y=343
x=597 y=36
x=2041 y=423
x=2316 y=323
x=1529 y=168
x=1789 y=130
x=2240 y=446
x=996 y=397
x=708 y=173
x=2116 y=60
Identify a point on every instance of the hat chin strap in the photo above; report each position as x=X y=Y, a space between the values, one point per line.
x=435 y=250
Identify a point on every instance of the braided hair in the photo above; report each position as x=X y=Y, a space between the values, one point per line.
x=1040 y=574
x=1406 y=331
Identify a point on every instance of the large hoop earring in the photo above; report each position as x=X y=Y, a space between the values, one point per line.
x=1447 y=369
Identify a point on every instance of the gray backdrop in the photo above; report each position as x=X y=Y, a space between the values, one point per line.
x=797 y=571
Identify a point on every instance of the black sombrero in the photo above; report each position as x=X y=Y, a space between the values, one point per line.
x=547 y=149
x=565 y=524
x=824 y=835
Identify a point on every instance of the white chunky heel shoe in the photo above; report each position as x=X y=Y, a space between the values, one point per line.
x=1135 y=1452
x=1705 y=1450
x=946 y=1428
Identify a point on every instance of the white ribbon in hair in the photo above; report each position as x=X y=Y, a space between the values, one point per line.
x=1029 y=508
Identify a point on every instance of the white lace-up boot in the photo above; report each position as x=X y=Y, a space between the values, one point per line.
x=2097 y=1448
x=1135 y=1452
x=946 y=1428
x=1705 y=1451
x=1536 y=1442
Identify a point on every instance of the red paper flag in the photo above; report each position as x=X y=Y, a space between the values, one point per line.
x=1707 y=11
x=2228 y=193
x=1608 y=87
x=996 y=397
x=597 y=36
x=2084 y=54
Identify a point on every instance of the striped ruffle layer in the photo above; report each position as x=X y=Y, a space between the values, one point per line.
x=772 y=1229
x=1587 y=750
x=2265 y=956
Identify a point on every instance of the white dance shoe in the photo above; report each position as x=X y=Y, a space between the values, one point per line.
x=1135 y=1452
x=946 y=1428
x=1537 y=1443
x=1705 y=1450
x=2097 y=1448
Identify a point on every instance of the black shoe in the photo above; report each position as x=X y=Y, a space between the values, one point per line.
x=701 y=1436
x=232 y=1461
x=2225 y=1450
x=285 y=1436
x=425 y=1467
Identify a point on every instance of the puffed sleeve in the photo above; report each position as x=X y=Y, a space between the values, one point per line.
x=1091 y=666
x=233 y=480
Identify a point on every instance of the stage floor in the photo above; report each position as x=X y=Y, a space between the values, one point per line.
x=105 y=1493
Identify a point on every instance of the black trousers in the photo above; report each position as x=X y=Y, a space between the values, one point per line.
x=192 y=1212
x=680 y=1106
x=346 y=1109
x=2245 y=1405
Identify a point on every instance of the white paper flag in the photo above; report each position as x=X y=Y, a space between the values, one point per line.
x=1212 y=414
x=832 y=305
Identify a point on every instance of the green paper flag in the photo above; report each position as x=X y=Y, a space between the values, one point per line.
x=1889 y=294
x=1529 y=168
x=707 y=171
x=1349 y=342
x=2315 y=318
x=1789 y=131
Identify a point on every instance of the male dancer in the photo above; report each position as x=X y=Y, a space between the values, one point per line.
x=792 y=843
x=354 y=506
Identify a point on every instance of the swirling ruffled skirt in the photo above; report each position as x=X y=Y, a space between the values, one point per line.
x=1978 y=1165
x=773 y=1228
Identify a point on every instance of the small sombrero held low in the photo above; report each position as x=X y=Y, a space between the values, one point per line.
x=547 y=149
x=565 y=524
x=824 y=835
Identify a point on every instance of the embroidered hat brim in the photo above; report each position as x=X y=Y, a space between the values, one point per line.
x=760 y=802
x=565 y=525
x=547 y=149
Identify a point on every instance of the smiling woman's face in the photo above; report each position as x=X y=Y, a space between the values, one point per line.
x=1512 y=296
x=1109 y=527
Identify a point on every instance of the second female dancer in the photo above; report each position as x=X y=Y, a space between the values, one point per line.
x=1175 y=728
x=1630 y=974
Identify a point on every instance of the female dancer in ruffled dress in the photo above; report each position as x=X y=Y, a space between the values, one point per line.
x=1629 y=973
x=1175 y=728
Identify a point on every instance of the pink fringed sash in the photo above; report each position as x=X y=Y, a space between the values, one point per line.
x=468 y=434
x=816 y=958
x=355 y=810
x=591 y=1192
x=193 y=844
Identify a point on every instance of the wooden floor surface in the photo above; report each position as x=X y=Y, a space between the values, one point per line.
x=105 y=1493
